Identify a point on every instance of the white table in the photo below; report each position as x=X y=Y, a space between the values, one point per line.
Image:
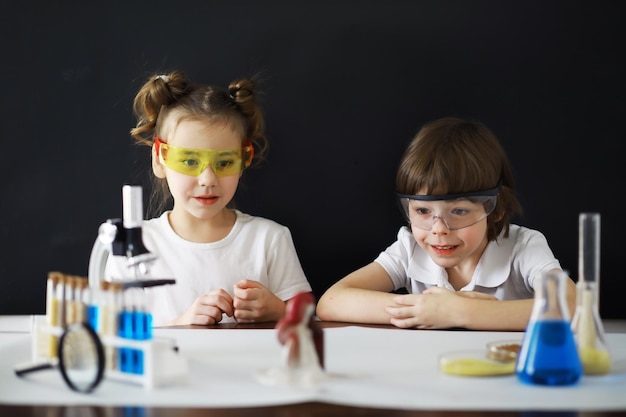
x=366 y=367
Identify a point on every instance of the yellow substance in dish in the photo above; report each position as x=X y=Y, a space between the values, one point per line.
x=476 y=367
x=595 y=361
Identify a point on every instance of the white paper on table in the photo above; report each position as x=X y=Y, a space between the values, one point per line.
x=383 y=368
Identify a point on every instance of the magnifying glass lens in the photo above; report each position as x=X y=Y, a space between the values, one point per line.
x=81 y=357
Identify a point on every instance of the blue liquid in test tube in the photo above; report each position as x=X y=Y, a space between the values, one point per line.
x=93 y=317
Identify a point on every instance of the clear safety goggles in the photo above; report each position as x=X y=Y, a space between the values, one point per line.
x=188 y=161
x=457 y=211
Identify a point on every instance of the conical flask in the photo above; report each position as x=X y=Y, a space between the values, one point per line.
x=586 y=324
x=548 y=355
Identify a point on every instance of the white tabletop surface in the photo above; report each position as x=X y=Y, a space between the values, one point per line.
x=386 y=368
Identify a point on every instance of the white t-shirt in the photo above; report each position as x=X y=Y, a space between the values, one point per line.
x=507 y=268
x=256 y=248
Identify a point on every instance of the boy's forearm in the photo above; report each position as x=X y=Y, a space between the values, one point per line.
x=355 y=305
x=498 y=315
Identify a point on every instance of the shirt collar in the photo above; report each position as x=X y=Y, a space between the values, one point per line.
x=492 y=270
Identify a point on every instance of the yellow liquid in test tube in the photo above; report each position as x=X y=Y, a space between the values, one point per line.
x=586 y=323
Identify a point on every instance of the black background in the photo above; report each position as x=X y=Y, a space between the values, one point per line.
x=346 y=85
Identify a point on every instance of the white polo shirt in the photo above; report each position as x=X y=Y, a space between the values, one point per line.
x=507 y=268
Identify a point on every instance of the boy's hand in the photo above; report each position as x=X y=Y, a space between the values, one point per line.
x=435 y=308
x=473 y=294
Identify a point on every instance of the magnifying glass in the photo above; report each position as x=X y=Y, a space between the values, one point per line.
x=80 y=360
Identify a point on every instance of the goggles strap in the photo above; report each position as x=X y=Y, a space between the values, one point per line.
x=157 y=144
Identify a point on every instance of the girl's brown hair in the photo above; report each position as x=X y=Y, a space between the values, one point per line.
x=167 y=96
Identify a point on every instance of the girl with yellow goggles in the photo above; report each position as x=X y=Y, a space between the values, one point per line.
x=188 y=161
x=229 y=265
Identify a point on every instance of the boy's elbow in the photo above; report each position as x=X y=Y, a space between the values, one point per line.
x=321 y=314
x=322 y=310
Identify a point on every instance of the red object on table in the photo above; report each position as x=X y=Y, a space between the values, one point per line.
x=300 y=311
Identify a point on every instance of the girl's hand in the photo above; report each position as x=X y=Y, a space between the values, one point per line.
x=208 y=309
x=255 y=303
x=435 y=308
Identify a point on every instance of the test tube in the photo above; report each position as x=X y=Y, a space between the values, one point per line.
x=70 y=306
x=586 y=323
x=52 y=315
x=60 y=300
x=80 y=301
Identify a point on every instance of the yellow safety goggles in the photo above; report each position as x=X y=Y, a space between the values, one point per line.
x=223 y=162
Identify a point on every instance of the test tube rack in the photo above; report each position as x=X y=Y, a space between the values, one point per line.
x=162 y=365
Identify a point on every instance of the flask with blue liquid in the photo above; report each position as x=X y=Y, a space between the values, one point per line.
x=549 y=355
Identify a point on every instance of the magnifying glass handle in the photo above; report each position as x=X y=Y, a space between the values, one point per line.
x=25 y=368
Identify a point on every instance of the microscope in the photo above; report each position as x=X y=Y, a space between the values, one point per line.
x=123 y=237
x=131 y=351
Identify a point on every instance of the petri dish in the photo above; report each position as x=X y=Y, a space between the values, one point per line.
x=504 y=350
x=474 y=363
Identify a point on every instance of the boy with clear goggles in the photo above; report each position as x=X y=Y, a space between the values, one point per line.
x=460 y=261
